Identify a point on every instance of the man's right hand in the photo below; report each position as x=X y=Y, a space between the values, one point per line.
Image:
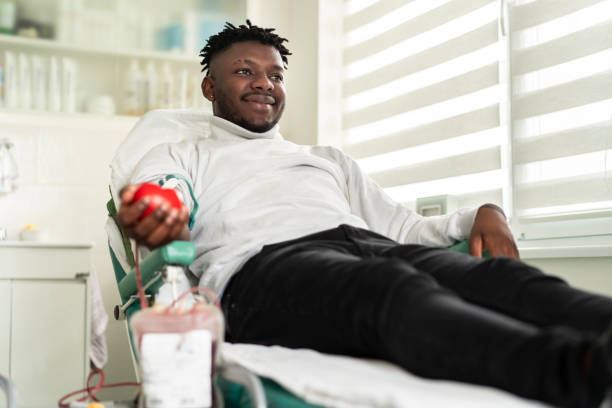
x=163 y=225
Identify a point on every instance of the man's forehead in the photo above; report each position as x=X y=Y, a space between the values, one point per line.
x=249 y=52
x=248 y=61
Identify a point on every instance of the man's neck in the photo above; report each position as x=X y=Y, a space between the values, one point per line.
x=220 y=125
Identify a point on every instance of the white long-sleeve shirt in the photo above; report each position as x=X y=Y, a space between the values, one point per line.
x=253 y=189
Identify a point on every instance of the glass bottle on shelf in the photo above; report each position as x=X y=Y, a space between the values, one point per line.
x=132 y=90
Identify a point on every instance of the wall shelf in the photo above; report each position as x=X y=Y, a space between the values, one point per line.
x=72 y=120
x=38 y=44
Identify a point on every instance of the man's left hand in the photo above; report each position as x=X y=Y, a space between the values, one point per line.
x=491 y=231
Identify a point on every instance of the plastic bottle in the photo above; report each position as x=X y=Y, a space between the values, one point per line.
x=182 y=91
x=166 y=87
x=54 y=96
x=65 y=21
x=177 y=351
x=69 y=78
x=1 y=85
x=149 y=88
x=11 y=86
x=190 y=24
x=197 y=99
x=25 y=82
x=39 y=83
x=132 y=93
x=147 y=32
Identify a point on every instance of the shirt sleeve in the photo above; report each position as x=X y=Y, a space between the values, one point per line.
x=169 y=165
x=394 y=220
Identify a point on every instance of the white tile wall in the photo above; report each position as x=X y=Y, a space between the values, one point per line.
x=64 y=173
x=63 y=163
x=25 y=149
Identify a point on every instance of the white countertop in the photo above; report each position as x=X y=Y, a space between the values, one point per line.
x=45 y=244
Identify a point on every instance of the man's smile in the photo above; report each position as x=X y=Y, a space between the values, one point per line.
x=260 y=101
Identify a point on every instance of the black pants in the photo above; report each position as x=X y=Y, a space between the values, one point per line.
x=437 y=313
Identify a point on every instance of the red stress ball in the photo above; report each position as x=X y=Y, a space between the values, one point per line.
x=157 y=196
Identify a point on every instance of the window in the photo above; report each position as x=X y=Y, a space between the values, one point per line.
x=501 y=101
x=562 y=109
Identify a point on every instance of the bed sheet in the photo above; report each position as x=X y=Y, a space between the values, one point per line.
x=339 y=381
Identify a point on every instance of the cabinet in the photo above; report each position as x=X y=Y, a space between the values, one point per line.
x=44 y=319
x=92 y=46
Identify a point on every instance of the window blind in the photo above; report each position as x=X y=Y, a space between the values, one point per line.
x=421 y=97
x=561 y=63
x=504 y=101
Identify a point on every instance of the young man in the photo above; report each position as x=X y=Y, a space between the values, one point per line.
x=307 y=251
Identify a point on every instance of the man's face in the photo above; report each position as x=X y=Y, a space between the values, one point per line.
x=246 y=85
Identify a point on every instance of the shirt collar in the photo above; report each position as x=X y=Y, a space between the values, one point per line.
x=221 y=129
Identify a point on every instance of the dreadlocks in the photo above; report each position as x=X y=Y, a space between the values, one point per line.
x=232 y=34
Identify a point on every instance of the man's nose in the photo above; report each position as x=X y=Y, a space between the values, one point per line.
x=262 y=82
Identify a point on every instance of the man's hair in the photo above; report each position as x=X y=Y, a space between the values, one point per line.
x=232 y=34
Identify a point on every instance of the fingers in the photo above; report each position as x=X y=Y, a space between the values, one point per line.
x=491 y=232
x=130 y=213
x=127 y=193
x=159 y=236
x=496 y=245
x=158 y=228
x=476 y=245
x=148 y=224
x=179 y=222
x=162 y=226
x=501 y=247
x=515 y=251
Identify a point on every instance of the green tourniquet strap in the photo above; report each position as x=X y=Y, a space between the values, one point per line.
x=464 y=247
x=196 y=205
x=175 y=253
x=112 y=212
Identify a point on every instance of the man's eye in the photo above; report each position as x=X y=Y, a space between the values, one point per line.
x=244 y=71
x=277 y=77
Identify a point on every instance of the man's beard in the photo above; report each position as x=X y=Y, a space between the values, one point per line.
x=226 y=112
x=254 y=128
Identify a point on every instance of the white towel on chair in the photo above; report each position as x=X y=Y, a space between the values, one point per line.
x=98 y=352
x=339 y=381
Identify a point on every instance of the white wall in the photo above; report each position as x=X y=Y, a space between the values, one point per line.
x=313 y=78
x=63 y=163
x=589 y=273
x=298 y=22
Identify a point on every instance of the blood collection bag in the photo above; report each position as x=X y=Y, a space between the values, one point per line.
x=177 y=350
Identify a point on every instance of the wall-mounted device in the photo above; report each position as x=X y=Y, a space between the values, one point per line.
x=436 y=205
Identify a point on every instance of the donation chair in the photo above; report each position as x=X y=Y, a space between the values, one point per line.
x=238 y=387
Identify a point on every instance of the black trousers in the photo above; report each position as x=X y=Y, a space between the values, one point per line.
x=437 y=313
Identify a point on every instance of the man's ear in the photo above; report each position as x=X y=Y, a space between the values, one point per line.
x=208 y=88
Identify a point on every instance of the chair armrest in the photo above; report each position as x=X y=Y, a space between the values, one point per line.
x=464 y=247
x=175 y=253
x=239 y=375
